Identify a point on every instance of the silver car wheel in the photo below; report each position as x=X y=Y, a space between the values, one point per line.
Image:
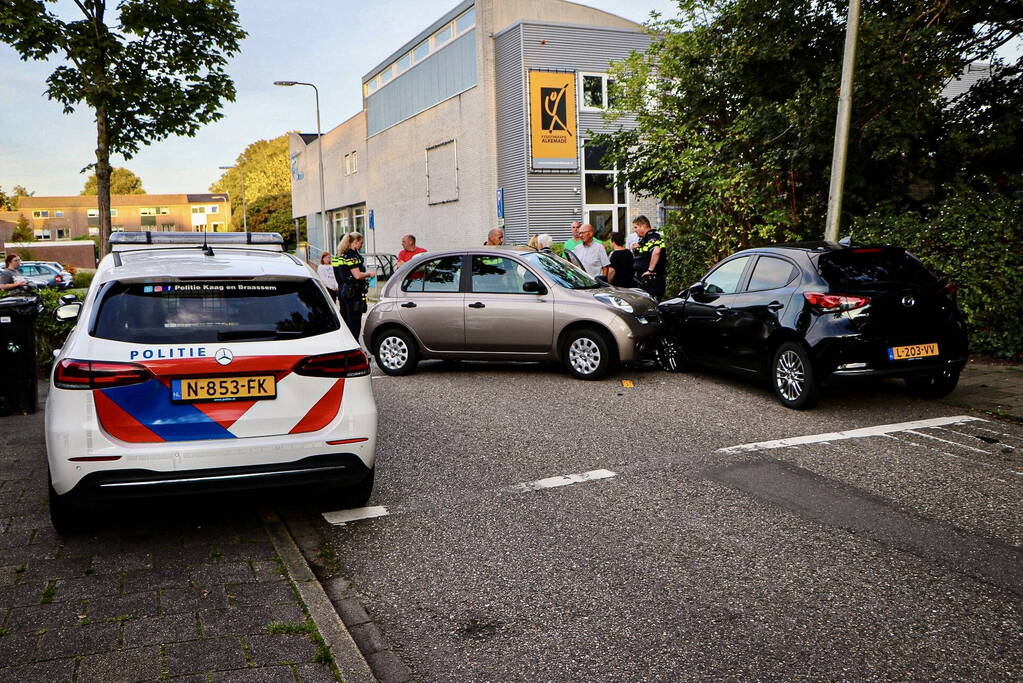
x=393 y=353
x=584 y=356
x=789 y=375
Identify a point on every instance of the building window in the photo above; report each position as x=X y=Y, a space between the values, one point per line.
x=360 y=220
x=58 y=213
x=404 y=62
x=41 y=214
x=148 y=221
x=421 y=51
x=113 y=212
x=593 y=92
x=166 y=226
x=198 y=209
x=213 y=208
x=466 y=21
x=116 y=228
x=605 y=195
x=442 y=36
x=93 y=231
x=218 y=227
x=386 y=75
x=340 y=222
x=42 y=234
x=61 y=233
x=355 y=162
x=348 y=164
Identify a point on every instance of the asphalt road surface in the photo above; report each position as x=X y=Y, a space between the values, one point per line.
x=534 y=527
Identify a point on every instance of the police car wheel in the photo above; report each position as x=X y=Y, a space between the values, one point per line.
x=792 y=377
x=587 y=355
x=67 y=519
x=396 y=353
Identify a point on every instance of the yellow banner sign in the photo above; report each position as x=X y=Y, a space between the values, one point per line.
x=552 y=125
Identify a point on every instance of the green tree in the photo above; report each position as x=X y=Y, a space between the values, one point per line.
x=22 y=230
x=267 y=173
x=736 y=99
x=122 y=181
x=159 y=71
x=273 y=214
x=9 y=202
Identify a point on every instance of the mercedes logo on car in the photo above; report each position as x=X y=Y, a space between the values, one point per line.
x=223 y=356
x=908 y=301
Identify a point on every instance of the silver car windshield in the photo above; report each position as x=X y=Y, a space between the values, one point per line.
x=563 y=272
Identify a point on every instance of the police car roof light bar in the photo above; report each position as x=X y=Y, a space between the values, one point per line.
x=122 y=241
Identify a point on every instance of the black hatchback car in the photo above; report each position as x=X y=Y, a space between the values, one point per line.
x=803 y=313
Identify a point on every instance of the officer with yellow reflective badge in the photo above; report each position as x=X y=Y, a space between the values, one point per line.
x=650 y=258
x=353 y=281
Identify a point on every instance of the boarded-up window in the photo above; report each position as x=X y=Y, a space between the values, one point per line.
x=442 y=173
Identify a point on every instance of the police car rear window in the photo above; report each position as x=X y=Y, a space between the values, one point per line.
x=212 y=311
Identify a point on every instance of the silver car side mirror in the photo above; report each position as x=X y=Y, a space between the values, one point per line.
x=68 y=312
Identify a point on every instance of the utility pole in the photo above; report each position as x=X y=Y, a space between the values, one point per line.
x=852 y=27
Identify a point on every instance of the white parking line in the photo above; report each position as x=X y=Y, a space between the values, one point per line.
x=879 y=430
x=342 y=517
x=950 y=443
x=566 y=480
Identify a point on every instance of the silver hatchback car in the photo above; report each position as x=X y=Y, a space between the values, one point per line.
x=507 y=304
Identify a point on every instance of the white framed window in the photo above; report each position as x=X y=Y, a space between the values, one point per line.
x=92 y=213
x=360 y=220
x=348 y=164
x=465 y=21
x=147 y=211
x=116 y=228
x=593 y=92
x=113 y=212
x=58 y=213
x=61 y=233
x=217 y=227
x=442 y=36
x=213 y=208
x=93 y=231
x=421 y=51
x=386 y=75
x=404 y=62
x=41 y=214
x=198 y=209
x=355 y=162
x=166 y=226
x=42 y=234
x=605 y=194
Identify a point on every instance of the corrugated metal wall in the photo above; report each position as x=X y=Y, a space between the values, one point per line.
x=443 y=75
x=553 y=200
x=511 y=133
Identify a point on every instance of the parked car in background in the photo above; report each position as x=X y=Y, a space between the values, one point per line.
x=802 y=314
x=46 y=274
x=507 y=304
x=383 y=264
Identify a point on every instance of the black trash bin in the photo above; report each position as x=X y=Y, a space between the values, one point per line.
x=18 y=379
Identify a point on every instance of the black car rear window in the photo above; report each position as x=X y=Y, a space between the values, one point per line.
x=873 y=267
x=212 y=311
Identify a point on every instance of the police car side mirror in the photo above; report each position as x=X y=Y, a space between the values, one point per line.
x=68 y=313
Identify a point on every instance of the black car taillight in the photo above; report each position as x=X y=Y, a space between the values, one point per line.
x=85 y=374
x=834 y=303
x=343 y=364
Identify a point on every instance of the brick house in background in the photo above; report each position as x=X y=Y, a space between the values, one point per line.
x=65 y=218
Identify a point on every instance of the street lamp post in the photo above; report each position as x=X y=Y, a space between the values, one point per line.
x=245 y=208
x=319 y=150
x=842 y=124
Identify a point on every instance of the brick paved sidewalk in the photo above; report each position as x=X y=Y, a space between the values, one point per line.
x=159 y=595
x=991 y=387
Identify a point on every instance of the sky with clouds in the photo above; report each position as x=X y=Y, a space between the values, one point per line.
x=331 y=43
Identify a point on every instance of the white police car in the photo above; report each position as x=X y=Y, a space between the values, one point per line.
x=203 y=368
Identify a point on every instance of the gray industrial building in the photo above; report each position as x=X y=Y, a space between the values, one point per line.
x=479 y=121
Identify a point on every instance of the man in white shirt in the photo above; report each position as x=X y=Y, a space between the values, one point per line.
x=631 y=240
x=591 y=254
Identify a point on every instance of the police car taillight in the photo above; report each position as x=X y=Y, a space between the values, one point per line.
x=344 y=364
x=85 y=374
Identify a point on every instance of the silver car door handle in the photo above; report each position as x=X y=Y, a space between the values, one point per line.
x=478 y=304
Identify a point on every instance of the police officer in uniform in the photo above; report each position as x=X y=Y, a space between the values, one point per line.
x=650 y=259
x=352 y=280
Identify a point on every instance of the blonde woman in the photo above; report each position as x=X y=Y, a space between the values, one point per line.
x=351 y=275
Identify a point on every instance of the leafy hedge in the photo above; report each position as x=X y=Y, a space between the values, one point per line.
x=975 y=239
x=83 y=278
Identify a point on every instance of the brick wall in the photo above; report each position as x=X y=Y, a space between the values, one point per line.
x=79 y=254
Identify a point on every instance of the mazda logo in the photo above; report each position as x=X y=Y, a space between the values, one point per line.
x=908 y=301
x=223 y=356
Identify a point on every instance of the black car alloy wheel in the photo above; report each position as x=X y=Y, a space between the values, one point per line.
x=792 y=377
